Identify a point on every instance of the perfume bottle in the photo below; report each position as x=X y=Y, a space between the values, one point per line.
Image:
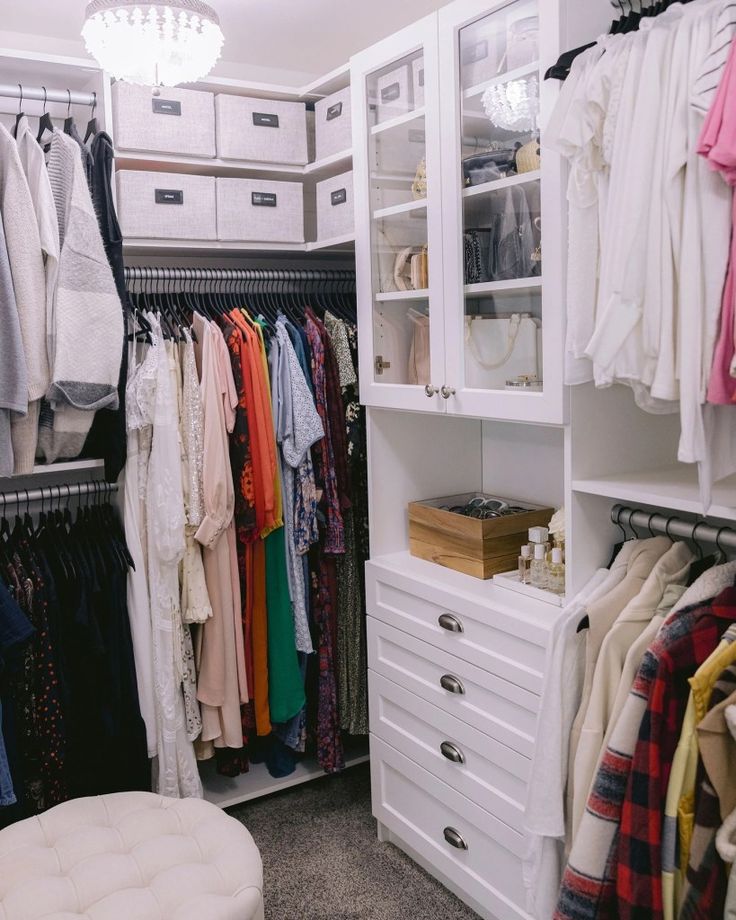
x=539 y=535
x=539 y=567
x=556 y=573
x=525 y=564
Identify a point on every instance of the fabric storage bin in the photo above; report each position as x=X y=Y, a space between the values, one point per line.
x=335 y=212
x=155 y=205
x=393 y=93
x=180 y=121
x=417 y=73
x=332 y=124
x=482 y=50
x=260 y=210
x=261 y=130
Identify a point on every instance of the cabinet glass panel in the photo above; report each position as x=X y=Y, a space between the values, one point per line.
x=502 y=221
x=398 y=201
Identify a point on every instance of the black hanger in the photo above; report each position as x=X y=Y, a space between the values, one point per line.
x=69 y=120
x=20 y=114
x=561 y=69
x=45 y=123
x=92 y=127
x=702 y=563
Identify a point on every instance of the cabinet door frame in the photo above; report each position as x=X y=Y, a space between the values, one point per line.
x=550 y=406
x=420 y=36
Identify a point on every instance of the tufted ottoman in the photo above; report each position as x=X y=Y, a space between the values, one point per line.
x=130 y=856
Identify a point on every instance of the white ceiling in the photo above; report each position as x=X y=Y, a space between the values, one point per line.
x=309 y=36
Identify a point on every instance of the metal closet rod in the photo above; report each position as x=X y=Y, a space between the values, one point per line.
x=150 y=273
x=41 y=94
x=669 y=526
x=96 y=487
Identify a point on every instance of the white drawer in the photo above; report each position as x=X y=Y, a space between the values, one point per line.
x=492 y=639
x=494 y=706
x=418 y=808
x=486 y=771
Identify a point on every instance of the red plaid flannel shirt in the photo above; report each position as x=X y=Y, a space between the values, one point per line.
x=639 y=870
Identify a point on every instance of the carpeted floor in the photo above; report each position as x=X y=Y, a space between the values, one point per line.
x=322 y=859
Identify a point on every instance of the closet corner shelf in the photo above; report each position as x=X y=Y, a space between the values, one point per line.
x=330 y=83
x=406 y=208
x=336 y=244
x=516 y=74
x=500 y=287
x=68 y=466
x=135 y=247
x=497 y=185
x=399 y=121
x=199 y=166
x=402 y=295
x=674 y=488
x=226 y=791
x=319 y=169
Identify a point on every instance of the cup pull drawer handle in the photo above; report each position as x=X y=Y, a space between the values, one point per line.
x=452 y=752
x=452 y=684
x=455 y=839
x=450 y=623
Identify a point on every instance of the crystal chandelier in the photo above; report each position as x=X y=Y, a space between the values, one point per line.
x=161 y=44
x=513 y=106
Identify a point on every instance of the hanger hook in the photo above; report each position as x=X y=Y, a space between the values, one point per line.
x=718 y=540
x=20 y=104
x=695 y=538
x=45 y=99
x=69 y=103
x=94 y=102
x=667 y=527
x=649 y=524
x=617 y=521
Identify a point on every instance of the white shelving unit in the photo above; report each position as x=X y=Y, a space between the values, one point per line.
x=408 y=207
x=487 y=188
x=392 y=296
x=498 y=287
x=517 y=73
x=398 y=122
x=329 y=165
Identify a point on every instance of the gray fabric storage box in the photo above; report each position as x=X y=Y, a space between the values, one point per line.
x=481 y=53
x=169 y=206
x=393 y=93
x=417 y=73
x=335 y=209
x=333 y=124
x=178 y=121
x=261 y=130
x=260 y=210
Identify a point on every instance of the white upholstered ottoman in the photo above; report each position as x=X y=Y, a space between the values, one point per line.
x=130 y=856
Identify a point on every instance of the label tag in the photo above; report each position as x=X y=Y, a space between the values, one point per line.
x=339 y=196
x=166 y=106
x=263 y=199
x=265 y=120
x=391 y=92
x=476 y=52
x=334 y=111
x=169 y=196
x=421 y=77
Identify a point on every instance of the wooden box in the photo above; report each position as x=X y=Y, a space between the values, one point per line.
x=475 y=547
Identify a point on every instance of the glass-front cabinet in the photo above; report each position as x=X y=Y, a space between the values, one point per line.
x=460 y=312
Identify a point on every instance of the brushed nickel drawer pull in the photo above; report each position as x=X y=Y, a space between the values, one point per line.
x=452 y=752
x=455 y=839
x=452 y=684
x=450 y=623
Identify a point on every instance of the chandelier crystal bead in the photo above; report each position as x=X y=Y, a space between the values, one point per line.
x=161 y=44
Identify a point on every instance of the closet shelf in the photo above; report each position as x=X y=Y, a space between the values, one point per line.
x=500 y=287
x=206 y=247
x=398 y=122
x=336 y=244
x=63 y=468
x=516 y=74
x=330 y=83
x=498 y=184
x=331 y=165
x=402 y=295
x=225 y=792
x=199 y=166
x=406 y=208
x=674 y=488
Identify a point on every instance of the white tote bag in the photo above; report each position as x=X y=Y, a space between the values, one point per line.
x=498 y=349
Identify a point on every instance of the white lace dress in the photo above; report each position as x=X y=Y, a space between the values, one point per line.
x=175 y=771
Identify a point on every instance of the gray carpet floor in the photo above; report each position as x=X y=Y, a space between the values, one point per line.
x=322 y=859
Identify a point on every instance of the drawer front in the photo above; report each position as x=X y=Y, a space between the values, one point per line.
x=490 y=639
x=486 y=771
x=497 y=708
x=419 y=809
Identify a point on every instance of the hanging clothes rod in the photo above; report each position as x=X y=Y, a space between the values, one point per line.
x=97 y=487
x=41 y=94
x=699 y=531
x=149 y=273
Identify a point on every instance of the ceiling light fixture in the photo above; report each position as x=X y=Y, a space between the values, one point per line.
x=161 y=44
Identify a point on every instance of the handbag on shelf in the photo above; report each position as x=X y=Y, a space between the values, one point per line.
x=476 y=255
x=420 y=270
x=418 y=370
x=411 y=269
x=500 y=348
x=488 y=166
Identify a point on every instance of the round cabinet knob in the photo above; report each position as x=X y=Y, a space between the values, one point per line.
x=430 y=390
x=452 y=752
x=446 y=391
x=451 y=684
x=450 y=623
x=455 y=839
